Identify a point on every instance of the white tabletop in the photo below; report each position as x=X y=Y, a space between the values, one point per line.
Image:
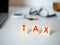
x=10 y=32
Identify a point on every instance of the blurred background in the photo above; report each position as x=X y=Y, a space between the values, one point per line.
x=33 y=3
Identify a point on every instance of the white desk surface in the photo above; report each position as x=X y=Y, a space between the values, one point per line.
x=10 y=32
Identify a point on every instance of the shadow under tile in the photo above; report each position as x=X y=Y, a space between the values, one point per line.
x=52 y=32
x=40 y=31
x=29 y=30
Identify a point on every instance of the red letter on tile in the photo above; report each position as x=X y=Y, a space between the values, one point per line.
x=23 y=27
x=46 y=29
x=35 y=28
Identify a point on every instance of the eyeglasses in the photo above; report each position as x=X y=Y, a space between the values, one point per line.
x=41 y=12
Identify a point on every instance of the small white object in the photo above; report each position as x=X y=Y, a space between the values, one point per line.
x=17 y=15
